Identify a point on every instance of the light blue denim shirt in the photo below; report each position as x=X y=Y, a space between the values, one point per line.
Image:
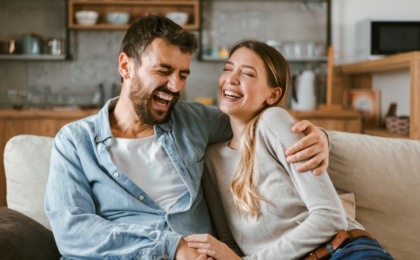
x=96 y=212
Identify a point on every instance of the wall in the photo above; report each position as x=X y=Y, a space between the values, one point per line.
x=345 y=14
x=95 y=52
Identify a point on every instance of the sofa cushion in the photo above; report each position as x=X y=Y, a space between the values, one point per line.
x=23 y=238
x=27 y=165
x=383 y=173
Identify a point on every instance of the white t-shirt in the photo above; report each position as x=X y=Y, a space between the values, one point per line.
x=148 y=165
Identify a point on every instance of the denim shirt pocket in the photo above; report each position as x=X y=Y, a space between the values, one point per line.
x=196 y=171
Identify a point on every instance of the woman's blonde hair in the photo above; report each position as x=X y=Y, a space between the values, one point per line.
x=245 y=195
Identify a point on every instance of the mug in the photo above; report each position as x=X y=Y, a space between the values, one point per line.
x=30 y=44
x=54 y=46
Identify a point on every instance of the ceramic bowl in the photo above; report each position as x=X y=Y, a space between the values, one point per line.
x=117 y=18
x=86 y=17
x=180 y=18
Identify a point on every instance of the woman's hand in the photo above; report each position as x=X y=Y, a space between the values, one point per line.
x=313 y=146
x=204 y=257
x=206 y=244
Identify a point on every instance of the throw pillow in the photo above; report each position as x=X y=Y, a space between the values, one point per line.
x=23 y=238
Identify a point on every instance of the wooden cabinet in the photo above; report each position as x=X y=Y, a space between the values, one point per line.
x=32 y=122
x=339 y=120
x=358 y=75
x=134 y=8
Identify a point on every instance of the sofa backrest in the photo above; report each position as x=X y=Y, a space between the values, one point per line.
x=27 y=165
x=383 y=173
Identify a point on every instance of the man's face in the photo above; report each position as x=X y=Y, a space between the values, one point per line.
x=158 y=82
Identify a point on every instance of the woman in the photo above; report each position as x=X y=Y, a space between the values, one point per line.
x=269 y=209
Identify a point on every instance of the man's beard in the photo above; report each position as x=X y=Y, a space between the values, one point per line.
x=141 y=102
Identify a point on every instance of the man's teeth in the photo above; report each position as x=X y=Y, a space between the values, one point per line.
x=232 y=94
x=161 y=103
x=164 y=96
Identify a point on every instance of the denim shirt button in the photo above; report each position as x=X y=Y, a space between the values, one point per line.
x=98 y=139
x=165 y=256
x=100 y=147
x=116 y=174
x=138 y=256
x=141 y=197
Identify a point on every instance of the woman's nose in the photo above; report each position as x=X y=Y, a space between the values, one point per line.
x=233 y=79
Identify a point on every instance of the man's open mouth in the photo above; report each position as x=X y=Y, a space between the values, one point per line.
x=162 y=99
x=231 y=94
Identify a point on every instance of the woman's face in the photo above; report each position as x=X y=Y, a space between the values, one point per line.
x=243 y=86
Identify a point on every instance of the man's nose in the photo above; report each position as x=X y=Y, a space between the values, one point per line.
x=175 y=83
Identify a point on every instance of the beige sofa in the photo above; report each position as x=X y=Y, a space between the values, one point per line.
x=382 y=173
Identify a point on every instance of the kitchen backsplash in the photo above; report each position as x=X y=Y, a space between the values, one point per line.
x=94 y=54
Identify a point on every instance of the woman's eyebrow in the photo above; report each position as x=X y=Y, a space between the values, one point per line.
x=250 y=67
x=246 y=66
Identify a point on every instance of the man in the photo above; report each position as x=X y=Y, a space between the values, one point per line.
x=125 y=183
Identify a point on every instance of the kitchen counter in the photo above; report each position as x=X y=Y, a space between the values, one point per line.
x=43 y=122
x=46 y=113
x=47 y=122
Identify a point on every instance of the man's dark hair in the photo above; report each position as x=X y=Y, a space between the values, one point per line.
x=145 y=30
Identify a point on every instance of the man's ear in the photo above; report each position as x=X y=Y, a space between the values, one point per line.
x=124 y=65
x=275 y=95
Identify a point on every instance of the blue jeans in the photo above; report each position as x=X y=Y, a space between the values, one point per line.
x=362 y=248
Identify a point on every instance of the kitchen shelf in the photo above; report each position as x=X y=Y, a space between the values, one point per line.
x=105 y=26
x=222 y=25
x=314 y=59
x=398 y=61
x=134 y=8
x=346 y=75
x=29 y=57
x=383 y=133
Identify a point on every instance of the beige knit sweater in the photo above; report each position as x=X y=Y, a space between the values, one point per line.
x=306 y=213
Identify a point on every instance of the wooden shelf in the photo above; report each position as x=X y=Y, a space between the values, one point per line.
x=398 y=61
x=358 y=75
x=32 y=57
x=106 y=26
x=134 y=8
x=383 y=133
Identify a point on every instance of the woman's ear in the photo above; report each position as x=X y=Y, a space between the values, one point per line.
x=274 y=97
x=124 y=66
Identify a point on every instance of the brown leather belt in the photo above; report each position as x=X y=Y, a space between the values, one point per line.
x=340 y=240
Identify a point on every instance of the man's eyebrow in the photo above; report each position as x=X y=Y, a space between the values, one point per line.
x=170 y=68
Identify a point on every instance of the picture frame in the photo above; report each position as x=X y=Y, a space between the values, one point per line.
x=367 y=101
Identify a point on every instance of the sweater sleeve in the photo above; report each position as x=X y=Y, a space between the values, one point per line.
x=217 y=213
x=326 y=214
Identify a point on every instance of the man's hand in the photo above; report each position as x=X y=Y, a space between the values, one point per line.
x=184 y=252
x=313 y=146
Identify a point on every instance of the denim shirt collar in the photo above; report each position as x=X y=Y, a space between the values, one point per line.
x=103 y=127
